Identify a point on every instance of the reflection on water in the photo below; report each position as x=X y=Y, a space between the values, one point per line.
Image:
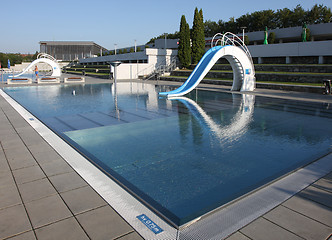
x=228 y=133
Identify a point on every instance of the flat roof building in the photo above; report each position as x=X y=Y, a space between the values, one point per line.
x=71 y=50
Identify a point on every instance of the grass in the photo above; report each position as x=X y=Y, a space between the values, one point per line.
x=267 y=82
x=266 y=72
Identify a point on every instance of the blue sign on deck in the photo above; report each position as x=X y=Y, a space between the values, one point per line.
x=150 y=224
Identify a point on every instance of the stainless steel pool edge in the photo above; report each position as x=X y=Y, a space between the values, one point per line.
x=124 y=203
x=233 y=217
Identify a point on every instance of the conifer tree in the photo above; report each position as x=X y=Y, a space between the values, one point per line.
x=184 y=50
x=198 y=38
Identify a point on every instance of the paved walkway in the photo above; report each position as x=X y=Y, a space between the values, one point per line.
x=42 y=197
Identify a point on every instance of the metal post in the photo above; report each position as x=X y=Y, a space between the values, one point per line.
x=135 y=45
x=115 y=64
x=115 y=49
x=243 y=28
x=165 y=41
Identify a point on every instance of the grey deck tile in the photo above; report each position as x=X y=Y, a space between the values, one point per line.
x=29 y=139
x=56 y=167
x=24 y=236
x=28 y=174
x=7 y=133
x=131 y=236
x=47 y=210
x=9 y=196
x=237 y=236
x=264 y=229
x=317 y=195
x=103 y=223
x=37 y=189
x=46 y=157
x=82 y=200
x=4 y=167
x=12 y=143
x=22 y=162
x=17 y=153
x=36 y=140
x=311 y=209
x=6 y=179
x=40 y=147
x=13 y=221
x=65 y=229
x=324 y=184
x=67 y=181
x=298 y=224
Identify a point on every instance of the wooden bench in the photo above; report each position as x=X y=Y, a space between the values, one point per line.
x=74 y=79
x=48 y=80
x=19 y=81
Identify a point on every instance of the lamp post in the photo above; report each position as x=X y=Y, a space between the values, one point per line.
x=115 y=64
x=243 y=28
x=165 y=41
x=135 y=45
x=115 y=49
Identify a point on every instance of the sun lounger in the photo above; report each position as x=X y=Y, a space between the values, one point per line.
x=74 y=80
x=19 y=81
x=48 y=80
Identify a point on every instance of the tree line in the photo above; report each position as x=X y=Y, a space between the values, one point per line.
x=257 y=21
x=281 y=18
x=16 y=58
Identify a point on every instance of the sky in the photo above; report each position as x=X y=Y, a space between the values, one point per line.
x=24 y=23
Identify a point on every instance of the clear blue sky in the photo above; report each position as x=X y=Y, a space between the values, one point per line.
x=109 y=22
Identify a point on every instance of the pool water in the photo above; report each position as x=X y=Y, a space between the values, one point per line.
x=183 y=157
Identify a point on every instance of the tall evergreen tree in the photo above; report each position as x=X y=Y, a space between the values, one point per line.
x=198 y=38
x=184 y=50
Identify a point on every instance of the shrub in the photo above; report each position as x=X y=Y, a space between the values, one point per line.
x=271 y=38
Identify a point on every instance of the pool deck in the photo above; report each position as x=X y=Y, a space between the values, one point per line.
x=42 y=197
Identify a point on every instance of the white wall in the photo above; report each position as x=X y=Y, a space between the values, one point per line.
x=156 y=58
x=320 y=48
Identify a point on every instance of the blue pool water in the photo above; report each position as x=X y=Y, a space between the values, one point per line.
x=188 y=156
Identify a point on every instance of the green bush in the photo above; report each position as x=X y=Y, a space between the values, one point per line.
x=246 y=40
x=271 y=38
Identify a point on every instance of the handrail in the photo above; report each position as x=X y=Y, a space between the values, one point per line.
x=45 y=55
x=161 y=69
x=233 y=40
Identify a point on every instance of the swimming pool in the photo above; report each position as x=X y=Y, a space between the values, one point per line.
x=183 y=158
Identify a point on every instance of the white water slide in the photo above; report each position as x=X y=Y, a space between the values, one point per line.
x=44 y=58
x=235 y=51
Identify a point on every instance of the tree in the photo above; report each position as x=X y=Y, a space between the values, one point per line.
x=184 y=50
x=210 y=28
x=319 y=14
x=198 y=38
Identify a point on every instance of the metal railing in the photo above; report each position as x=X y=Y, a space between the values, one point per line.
x=233 y=40
x=45 y=55
x=162 y=69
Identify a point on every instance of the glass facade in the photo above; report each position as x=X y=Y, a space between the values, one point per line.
x=70 y=50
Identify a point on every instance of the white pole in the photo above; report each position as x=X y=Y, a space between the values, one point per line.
x=243 y=33
x=115 y=49
x=135 y=45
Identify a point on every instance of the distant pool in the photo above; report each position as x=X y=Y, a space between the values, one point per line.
x=188 y=156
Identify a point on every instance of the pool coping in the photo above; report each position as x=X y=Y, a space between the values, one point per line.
x=232 y=217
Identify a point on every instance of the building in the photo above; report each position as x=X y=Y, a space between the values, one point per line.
x=71 y=50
